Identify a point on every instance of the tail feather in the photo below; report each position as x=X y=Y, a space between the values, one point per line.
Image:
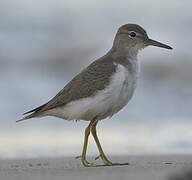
x=35 y=110
x=35 y=113
x=28 y=117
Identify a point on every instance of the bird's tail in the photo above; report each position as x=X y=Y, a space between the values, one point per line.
x=35 y=113
x=27 y=117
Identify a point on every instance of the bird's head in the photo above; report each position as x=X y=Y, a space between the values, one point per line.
x=132 y=38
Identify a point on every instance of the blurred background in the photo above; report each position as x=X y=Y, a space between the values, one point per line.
x=44 y=43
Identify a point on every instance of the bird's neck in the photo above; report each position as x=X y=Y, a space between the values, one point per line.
x=124 y=55
x=126 y=59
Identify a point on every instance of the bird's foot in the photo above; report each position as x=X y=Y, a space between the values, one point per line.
x=106 y=162
x=85 y=162
x=109 y=163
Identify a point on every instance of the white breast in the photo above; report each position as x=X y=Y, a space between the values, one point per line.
x=105 y=102
x=124 y=84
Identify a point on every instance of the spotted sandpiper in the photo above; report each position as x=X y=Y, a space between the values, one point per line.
x=102 y=89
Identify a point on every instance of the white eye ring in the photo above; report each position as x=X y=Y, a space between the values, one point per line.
x=132 y=34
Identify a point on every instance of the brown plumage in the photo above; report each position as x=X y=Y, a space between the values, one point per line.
x=94 y=78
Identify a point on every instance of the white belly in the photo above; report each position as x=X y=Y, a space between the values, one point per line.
x=105 y=102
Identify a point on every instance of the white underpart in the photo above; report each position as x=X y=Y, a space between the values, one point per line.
x=105 y=102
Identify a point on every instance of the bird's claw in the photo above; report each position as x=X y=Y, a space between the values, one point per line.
x=85 y=162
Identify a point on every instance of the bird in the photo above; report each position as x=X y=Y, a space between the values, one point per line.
x=102 y=89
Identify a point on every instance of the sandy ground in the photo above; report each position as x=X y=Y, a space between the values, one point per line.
x=141 y=167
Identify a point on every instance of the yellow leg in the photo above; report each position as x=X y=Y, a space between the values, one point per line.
x=102 y=155
x=83 y=155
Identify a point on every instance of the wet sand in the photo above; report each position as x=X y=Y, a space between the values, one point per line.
x=163 y=167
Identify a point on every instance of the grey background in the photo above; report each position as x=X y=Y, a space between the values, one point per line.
x=44 y=43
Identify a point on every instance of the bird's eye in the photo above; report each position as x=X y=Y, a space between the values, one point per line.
x=132 y=34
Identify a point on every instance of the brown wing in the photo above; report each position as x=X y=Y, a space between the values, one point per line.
x=95 y=77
